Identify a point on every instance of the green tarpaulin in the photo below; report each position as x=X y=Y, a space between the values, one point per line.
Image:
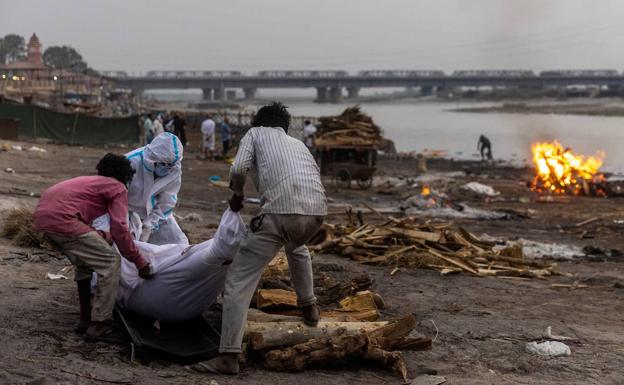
x=38 y=122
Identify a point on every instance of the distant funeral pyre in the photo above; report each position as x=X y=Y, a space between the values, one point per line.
x=560 y=171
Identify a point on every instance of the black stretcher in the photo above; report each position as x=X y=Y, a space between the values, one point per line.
x=195 y=339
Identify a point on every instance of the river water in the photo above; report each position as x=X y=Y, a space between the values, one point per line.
x=431 y=126
x=418 y=126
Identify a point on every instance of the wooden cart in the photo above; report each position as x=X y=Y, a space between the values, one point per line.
x=347 y=163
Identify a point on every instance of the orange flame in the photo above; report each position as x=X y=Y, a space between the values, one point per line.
x=560 y=171
x=426 y=191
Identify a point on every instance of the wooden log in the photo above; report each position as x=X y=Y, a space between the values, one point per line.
x=255 y=315
x=417 y=234
x=365 y=315
x=362 y=301
x=331 y=294
x=328 y=350
x=276 y=298
x=271 y=335
x=455 y=262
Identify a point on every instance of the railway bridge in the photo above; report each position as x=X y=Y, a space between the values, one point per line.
x=330 y=85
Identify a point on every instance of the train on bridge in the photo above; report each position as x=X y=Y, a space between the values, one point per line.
x=366 y=74
x=330 y=84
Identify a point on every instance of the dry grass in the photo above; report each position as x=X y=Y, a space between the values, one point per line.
x=18 y=226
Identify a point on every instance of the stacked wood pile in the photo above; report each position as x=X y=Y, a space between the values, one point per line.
x=349 y=328
x=406 y=242
x=352 y=128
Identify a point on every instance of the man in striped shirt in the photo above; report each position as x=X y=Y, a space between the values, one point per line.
x=293 y=207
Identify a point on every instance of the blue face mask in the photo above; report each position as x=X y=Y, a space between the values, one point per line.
x=161 y=170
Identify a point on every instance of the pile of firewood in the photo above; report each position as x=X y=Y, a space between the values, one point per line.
x=405 y=242
x=351 y=128
x=349 y=328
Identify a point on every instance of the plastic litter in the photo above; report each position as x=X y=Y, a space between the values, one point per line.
x=191 y=217
x=55 y=276
x=16 y=147
x=480 y=189
x=548 y=348
x=9 y=170
x=37 y=149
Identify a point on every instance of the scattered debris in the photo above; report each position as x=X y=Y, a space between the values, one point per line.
x=548 y=335
x=18 y=226
x=549 y=348
x=480 y=189
x=37 y=149
x=191 y=217
x=587 y=222
x=9 y=170
x=539 y=250
x=54 y=276
x=427 y=379
x=405 y=242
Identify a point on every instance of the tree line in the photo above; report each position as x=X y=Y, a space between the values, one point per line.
x=13 y=49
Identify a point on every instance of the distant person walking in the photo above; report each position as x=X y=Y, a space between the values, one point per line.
x=208 y=137
x=485 y=146
x=148 y=126
x=309 y=134
x=158 y=126
x=179 y=127
x=225 y=136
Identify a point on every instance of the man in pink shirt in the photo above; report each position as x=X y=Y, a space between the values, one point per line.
x=64 y=214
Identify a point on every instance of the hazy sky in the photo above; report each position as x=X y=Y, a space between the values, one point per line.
x=138 y=35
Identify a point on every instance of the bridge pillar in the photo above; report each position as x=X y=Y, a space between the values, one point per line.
x=219 y=94
x=335 y=94
x=353 y=92
x=250 y=92
x=207 y=93
x=426 y=90
x=322 y=95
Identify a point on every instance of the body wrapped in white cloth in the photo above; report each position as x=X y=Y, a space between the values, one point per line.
x=187 y=279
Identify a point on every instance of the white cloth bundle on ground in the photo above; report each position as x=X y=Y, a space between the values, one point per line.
x=187 y=280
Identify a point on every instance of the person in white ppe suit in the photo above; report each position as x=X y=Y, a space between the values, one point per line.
x=153 y=193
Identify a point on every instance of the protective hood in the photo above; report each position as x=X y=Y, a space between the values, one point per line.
x=165 y=148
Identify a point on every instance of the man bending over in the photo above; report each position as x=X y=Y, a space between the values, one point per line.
x=64 y=214
x=293 y=207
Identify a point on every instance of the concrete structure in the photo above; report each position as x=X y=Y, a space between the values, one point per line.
x=330 y=85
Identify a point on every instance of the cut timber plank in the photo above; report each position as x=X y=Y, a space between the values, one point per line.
x=417 y=234
x=271 y=298
x=361 y=301
x=454 y=262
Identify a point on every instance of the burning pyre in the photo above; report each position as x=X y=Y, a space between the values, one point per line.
x=560 y=171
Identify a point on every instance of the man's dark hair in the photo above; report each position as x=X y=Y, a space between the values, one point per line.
x=115 y=166
x=306 y=122
x=273 y=115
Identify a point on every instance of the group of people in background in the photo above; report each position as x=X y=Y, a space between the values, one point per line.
x=176 y=124
x=164 y=122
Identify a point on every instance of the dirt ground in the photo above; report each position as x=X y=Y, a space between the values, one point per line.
x=480 y=325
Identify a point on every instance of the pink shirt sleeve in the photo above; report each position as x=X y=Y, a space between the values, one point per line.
x=118 y=211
